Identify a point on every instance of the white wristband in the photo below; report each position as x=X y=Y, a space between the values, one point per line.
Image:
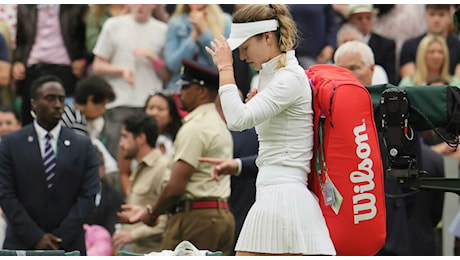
x=240 y=166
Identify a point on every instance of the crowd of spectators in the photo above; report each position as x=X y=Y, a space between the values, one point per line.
x=120 y=61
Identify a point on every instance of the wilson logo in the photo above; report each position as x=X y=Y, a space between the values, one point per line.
x=364 y=200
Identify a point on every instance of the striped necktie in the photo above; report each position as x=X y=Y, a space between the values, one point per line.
x=49 y=161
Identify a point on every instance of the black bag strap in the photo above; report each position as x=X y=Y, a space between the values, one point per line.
x=407 y=109
x=452 y=143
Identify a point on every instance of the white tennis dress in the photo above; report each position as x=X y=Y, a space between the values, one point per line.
x=286 y=217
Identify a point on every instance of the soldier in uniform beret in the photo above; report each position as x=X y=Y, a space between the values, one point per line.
x=198 y=203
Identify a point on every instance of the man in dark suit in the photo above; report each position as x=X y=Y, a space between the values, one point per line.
x=50 y=39
x=362 y=16
x=46 y=203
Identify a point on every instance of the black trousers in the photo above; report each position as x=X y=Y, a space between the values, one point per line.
x=64 y=72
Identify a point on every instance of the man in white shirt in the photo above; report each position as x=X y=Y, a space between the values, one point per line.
x=128 y=53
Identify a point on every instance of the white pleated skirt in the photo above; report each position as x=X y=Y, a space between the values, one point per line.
x=286 y=217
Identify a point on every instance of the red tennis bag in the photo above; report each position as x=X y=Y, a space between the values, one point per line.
x=347 y=171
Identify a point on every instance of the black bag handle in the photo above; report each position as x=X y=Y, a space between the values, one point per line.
x=452 y=143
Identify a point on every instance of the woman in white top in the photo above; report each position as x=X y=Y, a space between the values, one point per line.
x=285 y=218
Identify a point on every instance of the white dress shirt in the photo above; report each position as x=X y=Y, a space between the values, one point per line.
x=41 y=133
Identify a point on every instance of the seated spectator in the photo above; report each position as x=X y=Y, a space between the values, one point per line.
x=163 y=107
x=91 y=95
x=318 y=27
x=432 y=61
x=362 y=16
x=350 y=33
x=139 y=133
x=400 y=22
x=9 y=121
x=438 y=19
x=358 y=58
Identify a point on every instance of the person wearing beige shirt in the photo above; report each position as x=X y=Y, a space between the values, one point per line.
x=200 y=213
x=138 y=138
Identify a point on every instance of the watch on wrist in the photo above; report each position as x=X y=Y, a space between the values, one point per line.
x=150 y=212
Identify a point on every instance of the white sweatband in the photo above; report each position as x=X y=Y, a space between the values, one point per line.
x=240 y=32
x=240 y=167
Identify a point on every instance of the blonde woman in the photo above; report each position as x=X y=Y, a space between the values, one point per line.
x=190 y=29
x=286 y=218
x=432 y=60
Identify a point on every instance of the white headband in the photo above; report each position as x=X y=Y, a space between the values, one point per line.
x=240 y=32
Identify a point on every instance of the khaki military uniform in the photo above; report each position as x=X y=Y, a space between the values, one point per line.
x=202 y=215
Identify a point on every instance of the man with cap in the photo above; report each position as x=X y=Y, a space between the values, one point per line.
x=362 y=16
x=200 y=213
